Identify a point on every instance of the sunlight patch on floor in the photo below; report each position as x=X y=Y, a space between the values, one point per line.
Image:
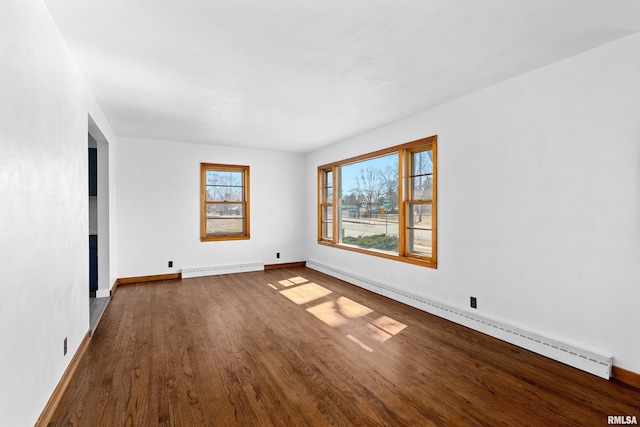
x=306 y=293
x=293 y=281
x=352 y=309
x=389 y=325
x=337 y=311
x=378 y=334
x=327 y=312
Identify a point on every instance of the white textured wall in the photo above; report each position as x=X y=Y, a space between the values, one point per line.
x=44 y=104
x=159 y=207
x=539 y=201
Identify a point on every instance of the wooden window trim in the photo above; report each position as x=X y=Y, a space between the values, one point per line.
x=408 y=200
x=324 y=202
x=404 y=167
x=246 y=234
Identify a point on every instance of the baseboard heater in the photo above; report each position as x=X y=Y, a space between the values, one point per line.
x=222 y=269
x=586 y=360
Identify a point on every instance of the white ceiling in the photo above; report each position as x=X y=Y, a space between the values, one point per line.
x=297 y=75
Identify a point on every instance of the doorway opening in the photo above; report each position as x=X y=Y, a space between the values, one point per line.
x=98 y=200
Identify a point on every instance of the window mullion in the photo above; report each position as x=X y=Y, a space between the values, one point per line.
x=402 y=205
x=321 y=185
x=337 y=185
x=434 y=204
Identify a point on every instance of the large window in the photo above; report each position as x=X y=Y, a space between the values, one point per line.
x=382 y=203
x=224 y=202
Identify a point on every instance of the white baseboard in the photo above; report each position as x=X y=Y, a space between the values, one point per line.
x=103 y=293
x=587 y=360
x=222 y=269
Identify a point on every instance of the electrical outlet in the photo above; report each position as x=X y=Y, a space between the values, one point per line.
x=65 y=346
x=277 y=254
x=474 y=302
x=170 y=264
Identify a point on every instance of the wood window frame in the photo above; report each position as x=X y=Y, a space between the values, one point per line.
x=325 y=202
x=404 y=152
x=245 y=234
x=413 y=200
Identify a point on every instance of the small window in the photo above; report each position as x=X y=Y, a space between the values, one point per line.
x=224 y=202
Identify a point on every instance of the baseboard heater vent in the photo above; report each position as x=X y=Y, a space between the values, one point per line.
x=586 y=360
x=222 y=269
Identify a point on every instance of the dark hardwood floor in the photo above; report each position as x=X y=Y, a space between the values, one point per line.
x=294 y=347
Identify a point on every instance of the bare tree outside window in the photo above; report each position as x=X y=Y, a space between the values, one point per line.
x=389 y=178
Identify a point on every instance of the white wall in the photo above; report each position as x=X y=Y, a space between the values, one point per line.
x=159 y=207
x=44 y=110
x=539 y=201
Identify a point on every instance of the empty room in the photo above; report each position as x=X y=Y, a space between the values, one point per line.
x=287 y=213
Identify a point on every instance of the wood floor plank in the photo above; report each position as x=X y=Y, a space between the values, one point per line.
x=294 y=347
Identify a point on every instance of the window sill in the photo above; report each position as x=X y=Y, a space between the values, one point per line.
x=429 y=263
x=223 y=238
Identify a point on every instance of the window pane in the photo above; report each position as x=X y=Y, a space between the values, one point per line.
x=225 y=210
x=224 y=193
x=329 y=176
x=327 y=230
x=225 y=218
x=421 y=162
x=422 y=187
x=327 y=214
x=369 y=181
x=419 y=216
x=419 y=241
x=369 y=192
x=218 y=177
x=328 y=194
x=224 y=185
x=225 y=226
